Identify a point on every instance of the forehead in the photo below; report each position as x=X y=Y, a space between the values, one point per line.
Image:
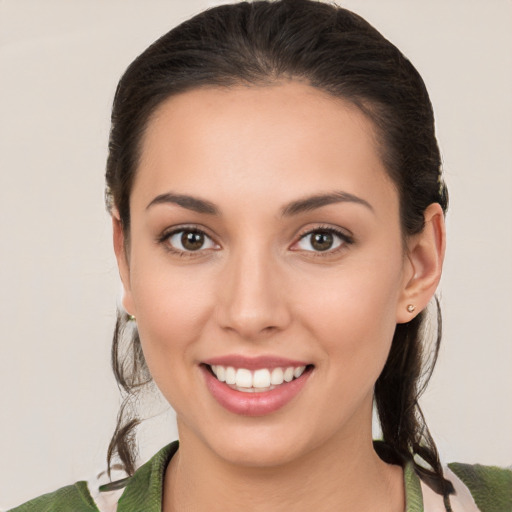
x=287 y=139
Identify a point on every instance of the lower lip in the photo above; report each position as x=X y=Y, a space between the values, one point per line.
x=254 y=404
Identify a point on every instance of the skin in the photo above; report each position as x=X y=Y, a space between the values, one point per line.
x=258 y=287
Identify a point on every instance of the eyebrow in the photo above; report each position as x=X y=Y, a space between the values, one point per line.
x=317 y=201
x=190 y=203
x=294 y=208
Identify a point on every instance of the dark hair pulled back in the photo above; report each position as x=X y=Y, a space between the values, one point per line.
x=335 y=51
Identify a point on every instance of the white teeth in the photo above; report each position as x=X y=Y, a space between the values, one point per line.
x=288 y=374
x=243 y=378
x=262 y=379
x=230 y=375
x=220 y=371
x=277 y=377
x=298 y=371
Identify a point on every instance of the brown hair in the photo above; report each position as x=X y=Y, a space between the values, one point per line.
x=338 y=52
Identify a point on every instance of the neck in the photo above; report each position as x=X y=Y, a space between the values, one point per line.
x=349 y=477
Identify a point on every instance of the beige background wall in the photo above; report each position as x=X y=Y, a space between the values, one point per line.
x=59 y=63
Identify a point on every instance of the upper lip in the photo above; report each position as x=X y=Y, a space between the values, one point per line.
x=254 y=363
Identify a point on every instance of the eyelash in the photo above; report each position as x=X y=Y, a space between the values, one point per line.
x=344 y=237
x=165 y=237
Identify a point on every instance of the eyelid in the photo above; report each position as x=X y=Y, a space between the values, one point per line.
x=174 y=230
x=344 y=235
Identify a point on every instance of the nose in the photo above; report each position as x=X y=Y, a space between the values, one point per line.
x=253 y=301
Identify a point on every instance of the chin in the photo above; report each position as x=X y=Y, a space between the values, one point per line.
x=251 y=442
x=260 y=455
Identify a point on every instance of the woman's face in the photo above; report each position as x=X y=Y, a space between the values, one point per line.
x=264 y=236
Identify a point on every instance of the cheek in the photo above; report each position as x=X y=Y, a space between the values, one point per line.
x=352 y=314
x=352 y=325
x=171 y=310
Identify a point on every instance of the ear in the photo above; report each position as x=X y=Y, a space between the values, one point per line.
x=425 y=256
x=123 y=264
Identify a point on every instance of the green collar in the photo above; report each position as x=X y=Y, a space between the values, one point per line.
x=144 y=489
x=413 y=494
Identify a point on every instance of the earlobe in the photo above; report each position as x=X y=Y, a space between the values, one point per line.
x=425 y=256
x=120 y=250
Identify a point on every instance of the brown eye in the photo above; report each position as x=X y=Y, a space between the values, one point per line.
x=189 y=240
x=192 y=240
x=322 y=241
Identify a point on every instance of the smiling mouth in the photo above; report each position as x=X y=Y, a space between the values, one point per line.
x=257 y=381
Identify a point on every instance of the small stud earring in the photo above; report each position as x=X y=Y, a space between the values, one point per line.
x=131 y=318
x=411 y=308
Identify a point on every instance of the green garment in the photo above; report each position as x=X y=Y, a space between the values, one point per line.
x=490 y=487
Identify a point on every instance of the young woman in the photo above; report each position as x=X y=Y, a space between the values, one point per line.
x=278 y=215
